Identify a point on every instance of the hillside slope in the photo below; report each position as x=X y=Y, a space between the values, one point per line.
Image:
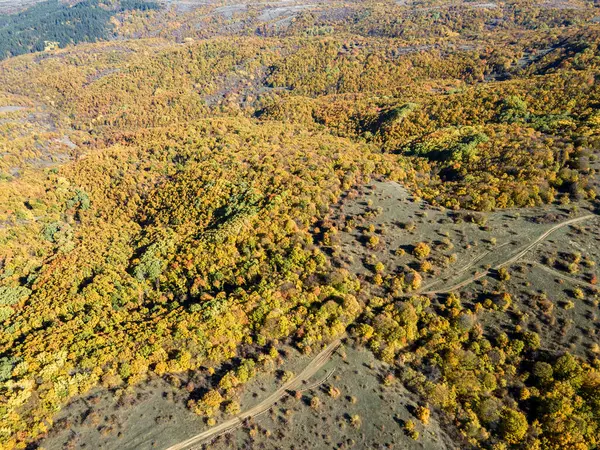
x=168 y=201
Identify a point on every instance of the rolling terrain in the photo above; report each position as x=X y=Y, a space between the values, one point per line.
x=300 y=224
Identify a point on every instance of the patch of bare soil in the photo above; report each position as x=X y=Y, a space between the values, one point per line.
x=561 y=4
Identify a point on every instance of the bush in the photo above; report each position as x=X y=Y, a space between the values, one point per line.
x=503 y=274
x=411 y=430
x=232 y=408
x=315 y=402
x=532 y=340
x=373 y=242
x=423 y=413
x=210 y=403
x=421 y=250
x=566 y=367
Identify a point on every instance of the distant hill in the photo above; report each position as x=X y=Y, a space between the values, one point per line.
x=15 y=6
x=53 y=23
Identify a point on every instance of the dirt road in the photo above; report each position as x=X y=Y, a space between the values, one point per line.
x=320 y=360
x=312 y=368
x=507 y=262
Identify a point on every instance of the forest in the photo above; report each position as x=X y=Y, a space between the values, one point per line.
x=55 y=23
x=168 y=179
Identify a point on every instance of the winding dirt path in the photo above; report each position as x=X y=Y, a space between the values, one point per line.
x=510 y=260
x=312 y=368
x=542 y=237
x=324 y=356
x=428 y=287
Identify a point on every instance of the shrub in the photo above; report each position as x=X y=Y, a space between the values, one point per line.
x=232 y=408
x=333 y=391
x=378 y=279
x=425 y=266
x=532 y=340
x=421 y=250
x=287 y=376
x=315 y=402
x=411 y=430
x=543 y=372
x=503 y=274
x=210 y=403
x=373 y=242
x=566 y=367
x=364 y=331
x=578 y=293
x=423 y=413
